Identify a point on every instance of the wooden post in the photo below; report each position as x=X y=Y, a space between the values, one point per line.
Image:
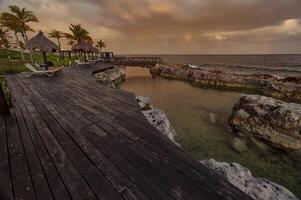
x=4 y=109
x=44 y=57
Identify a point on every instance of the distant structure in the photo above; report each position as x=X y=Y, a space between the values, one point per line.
x=144 y=61
x=107 y=57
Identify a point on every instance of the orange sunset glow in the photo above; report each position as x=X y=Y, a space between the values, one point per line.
x=177 y=26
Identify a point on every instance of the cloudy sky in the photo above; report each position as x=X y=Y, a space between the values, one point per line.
x=177 y=26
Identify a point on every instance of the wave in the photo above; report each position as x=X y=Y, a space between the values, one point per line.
x=254 y=69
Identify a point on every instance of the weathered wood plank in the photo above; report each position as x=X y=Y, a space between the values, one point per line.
x=77 y=186
x=97 y=131
x=6 y=191
x=38 y=177
x=56 y=185
x=111 y=153
x=148 y=187
x=53 y=179
x=96 y=180
x=21 y=178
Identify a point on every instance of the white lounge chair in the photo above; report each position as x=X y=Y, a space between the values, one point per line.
x=50 y=72
x=79 y=62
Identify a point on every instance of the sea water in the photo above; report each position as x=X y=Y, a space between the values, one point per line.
x=199 y=117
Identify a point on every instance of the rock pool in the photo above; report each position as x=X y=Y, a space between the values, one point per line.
x=199 y=117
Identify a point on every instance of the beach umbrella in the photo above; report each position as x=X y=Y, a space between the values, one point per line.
x=94 y=50
x=83 y=46
x=42 y=43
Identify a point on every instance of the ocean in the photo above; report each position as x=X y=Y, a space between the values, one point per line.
x=276 y=64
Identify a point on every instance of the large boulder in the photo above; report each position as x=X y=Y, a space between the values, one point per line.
x=242 y=178
x=270 y=119
x=111 y=77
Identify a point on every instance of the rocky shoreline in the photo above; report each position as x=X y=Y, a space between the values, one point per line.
x=156 y=118
x=239 y=176
x=256 y=187
x=275 y=121
x=287 y=88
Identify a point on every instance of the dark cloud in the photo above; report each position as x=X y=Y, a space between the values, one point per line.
x=206 y=15
x=175 y=26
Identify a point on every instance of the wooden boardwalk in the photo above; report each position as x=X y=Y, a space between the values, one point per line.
x=69 y=137
x=142 y=61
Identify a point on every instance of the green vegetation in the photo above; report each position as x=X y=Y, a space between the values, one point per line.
x=15 y=65
x=78 y=34
x=146 y=107
x=58 y=35
x=100 y=44
x=17 y=21
x=270 y=163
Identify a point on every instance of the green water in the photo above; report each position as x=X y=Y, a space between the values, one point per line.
x=199 y=117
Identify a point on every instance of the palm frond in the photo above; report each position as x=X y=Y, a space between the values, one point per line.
x=18 y=17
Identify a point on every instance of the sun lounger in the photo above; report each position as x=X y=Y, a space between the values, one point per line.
x=37 y=66
x=79 y=62
x=50 y=72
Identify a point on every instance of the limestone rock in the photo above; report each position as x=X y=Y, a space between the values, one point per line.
x=285 y=88
x=270 y=119
x=156 y=117
x=144 y=103
x=242 y=178
x=159 y=120
x=111 y=77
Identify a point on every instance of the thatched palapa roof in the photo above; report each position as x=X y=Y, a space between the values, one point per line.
x=41 y=42
x=84 y=46
x=95 y=50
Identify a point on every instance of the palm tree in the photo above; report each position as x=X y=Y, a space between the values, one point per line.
x=14 y=25
x=100 y=44
x=70 y=42
x=78 y=33
x=23 y=17
x=17 y=22
x=58 y=35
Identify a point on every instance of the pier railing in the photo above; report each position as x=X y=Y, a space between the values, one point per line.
x=137 y=61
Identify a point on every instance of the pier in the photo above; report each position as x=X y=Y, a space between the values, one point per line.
x=69 y=137
x=143 y=61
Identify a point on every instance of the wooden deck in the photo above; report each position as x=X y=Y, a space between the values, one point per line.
x=69 y=137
